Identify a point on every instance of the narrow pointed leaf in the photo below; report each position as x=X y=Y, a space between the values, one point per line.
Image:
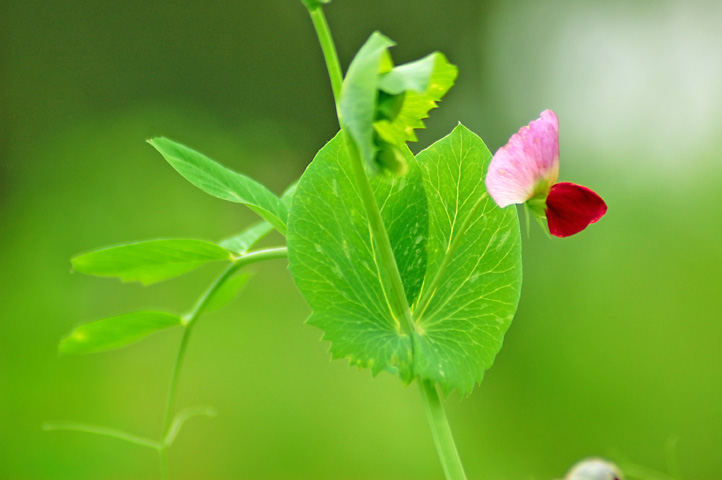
x=217 y=180
x=244 y=241
x=333 y=258
x=115 y=332
x=151 y=261
x=461 y=328
x=247 y=239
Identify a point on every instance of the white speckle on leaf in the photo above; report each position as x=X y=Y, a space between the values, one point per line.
x=502 y=239
x=337 y=271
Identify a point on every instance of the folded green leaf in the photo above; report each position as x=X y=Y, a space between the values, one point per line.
x=381 y=105
x=223 y=183
x=418 y=76
x=333 y=258
x=357 y=105
x=116 y=332
x=151 y=261
x=227 y=292
x=473 y=276
x=424 y=82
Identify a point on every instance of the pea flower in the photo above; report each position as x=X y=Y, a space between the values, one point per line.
x=525 y=170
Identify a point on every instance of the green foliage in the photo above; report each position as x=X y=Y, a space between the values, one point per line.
x=357 y=105
x=473 y=277
x=424 y=83
x=381 y=105
x=150 y=261
x=115 y=332
x=403 y=208
x=244 y=241
x=414 y=271
x=470 y=268
x=223 y=183
x=333 y=259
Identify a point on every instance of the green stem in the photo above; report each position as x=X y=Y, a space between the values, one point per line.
x=182 y=418
x=107 y=432
x=399 y=304
x=443 y=439
x=190 y=321
x=329 y=51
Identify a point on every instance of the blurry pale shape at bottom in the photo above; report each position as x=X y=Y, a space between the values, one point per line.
x=594 y=469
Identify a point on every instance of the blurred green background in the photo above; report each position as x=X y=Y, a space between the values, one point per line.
x=617 y=346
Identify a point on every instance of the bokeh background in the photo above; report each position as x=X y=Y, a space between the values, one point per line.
x=616 y=349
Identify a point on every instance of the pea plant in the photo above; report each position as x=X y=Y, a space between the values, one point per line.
x=411 y=263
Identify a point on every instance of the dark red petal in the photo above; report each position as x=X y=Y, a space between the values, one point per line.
x=571 y=207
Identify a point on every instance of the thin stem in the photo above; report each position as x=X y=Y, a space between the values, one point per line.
x=428 y=293
x=190 y=321
x=329 y=51
x=443 y=439
x=163 y=459
x=400 y=305
x=182 y=418
x=98 y=430
x=174 y=379
x=380 y=236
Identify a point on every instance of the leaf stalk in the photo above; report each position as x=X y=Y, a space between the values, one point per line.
x=240 y=262
x=104 y=431
x=441 y=431
x=328 y=47
x=400 y=305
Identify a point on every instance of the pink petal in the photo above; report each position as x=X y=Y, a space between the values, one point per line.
x=571 y=207
x=528 y=164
